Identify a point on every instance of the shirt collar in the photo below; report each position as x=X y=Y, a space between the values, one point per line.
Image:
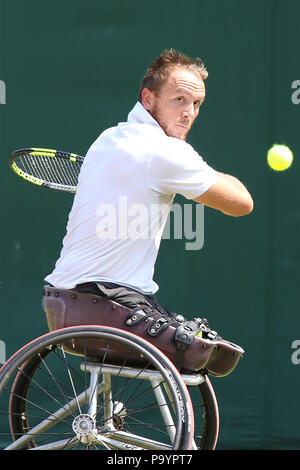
x=140 y=115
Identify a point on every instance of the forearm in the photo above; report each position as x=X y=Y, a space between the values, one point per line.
x=228 y=195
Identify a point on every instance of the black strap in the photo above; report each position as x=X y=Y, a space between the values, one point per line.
x=184 y=336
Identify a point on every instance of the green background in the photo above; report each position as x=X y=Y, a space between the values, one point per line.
x=72 y=69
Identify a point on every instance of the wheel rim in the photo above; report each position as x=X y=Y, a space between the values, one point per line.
x=27 y=410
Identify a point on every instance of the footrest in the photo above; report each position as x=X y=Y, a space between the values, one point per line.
x=224 y=358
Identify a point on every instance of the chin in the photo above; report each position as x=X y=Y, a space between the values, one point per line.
x=181 y=137
x=176 y=135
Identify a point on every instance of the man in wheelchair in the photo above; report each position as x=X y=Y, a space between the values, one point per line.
x=126 y=188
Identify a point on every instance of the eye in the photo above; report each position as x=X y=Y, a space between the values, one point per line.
x=179 y=99
x=197 y=103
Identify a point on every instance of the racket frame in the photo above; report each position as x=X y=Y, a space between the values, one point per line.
x=32 y=151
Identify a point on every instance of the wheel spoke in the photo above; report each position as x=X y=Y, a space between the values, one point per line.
x=71 y=379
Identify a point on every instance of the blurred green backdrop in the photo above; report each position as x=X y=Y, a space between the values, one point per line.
x=71 y=69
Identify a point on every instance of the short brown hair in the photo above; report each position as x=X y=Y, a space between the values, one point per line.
x=159 y=70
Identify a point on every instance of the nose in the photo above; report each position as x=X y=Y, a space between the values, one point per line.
x=188 y=111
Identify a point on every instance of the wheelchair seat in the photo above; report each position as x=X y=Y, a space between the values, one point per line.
x=67 y=307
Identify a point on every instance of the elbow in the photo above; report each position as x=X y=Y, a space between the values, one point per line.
x=245 y=208
x=249 y=206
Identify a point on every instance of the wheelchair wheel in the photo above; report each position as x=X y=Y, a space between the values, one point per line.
x=206 y=414
x=76 y=388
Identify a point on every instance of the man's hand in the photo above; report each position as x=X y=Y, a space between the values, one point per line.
x=227 y=195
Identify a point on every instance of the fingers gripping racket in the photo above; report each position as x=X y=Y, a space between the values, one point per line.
x=51 y=169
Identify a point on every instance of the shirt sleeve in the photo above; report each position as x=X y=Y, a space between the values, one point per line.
x=178 y=169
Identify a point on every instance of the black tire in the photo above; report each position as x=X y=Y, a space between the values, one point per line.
x=33 y=386
x=206 y=415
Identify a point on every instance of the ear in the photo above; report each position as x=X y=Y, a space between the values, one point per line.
x=147 y=98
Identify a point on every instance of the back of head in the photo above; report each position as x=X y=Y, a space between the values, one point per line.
x=159 y=71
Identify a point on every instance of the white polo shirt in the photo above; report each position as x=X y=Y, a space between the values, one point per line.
x=126 y=187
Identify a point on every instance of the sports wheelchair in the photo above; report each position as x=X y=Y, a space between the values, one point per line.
x=96 y=381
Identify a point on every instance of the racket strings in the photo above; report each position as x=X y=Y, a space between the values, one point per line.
x=69 y=171
x=50 y=169
x=66 y=175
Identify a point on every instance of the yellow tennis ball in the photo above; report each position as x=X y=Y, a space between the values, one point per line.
x=279 y=157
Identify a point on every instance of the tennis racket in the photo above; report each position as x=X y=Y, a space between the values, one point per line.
x=51 y=169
